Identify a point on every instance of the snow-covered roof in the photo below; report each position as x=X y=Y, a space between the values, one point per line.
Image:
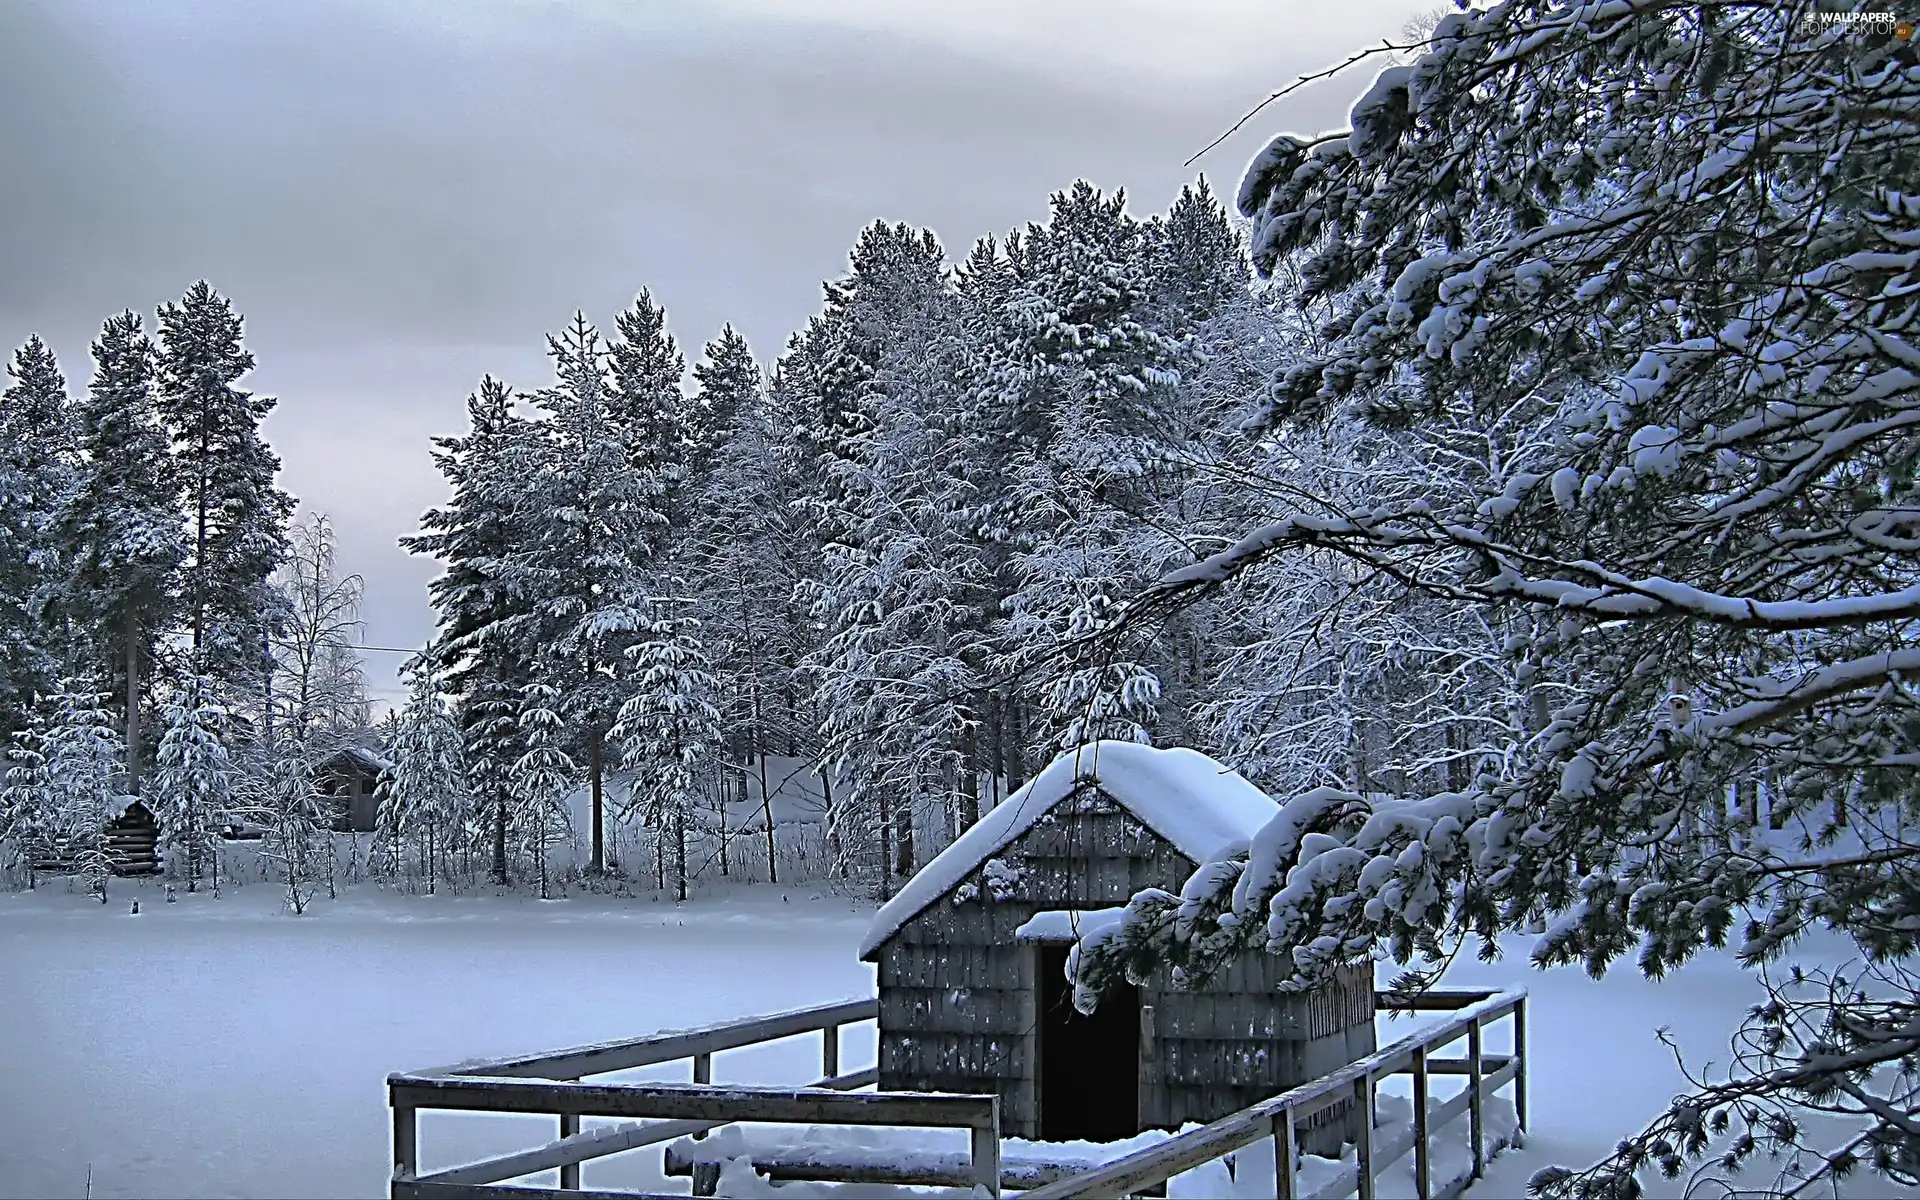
x=1187 y=798
x=364 y=758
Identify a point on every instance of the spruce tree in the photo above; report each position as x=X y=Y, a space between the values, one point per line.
x=729 y=382
x=224 y=474
x=582 y=572
x=475 y=655
x=122 y=528
x=29 y=804
x=544 y=776
x=37 y=452
x=426 y=798
x=669 y=732
x=193 y=783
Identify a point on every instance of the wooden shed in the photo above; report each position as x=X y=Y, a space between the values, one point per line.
x=972 y=963
x=351 y=777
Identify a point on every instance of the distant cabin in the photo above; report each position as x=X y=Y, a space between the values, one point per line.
x=133 y=840
x=351 y=778
x=130 y=838
x=972 y=963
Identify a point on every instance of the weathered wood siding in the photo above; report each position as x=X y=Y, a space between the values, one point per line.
x=1234 y=1040
x=958 y=1008
x=958 y=995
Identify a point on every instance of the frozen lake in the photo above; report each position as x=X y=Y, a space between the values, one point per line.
x=220 y=1048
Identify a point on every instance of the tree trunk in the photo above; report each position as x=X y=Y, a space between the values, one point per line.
x=500 y=838
x=598 y=864
x=969 y=778
x=836 y=836
x=680 y=851
x=1016 y=768
x=200 y=556
x=885 y=834
x=903 y=841
x=721 y=815
x=766 y=797
x=133 y=703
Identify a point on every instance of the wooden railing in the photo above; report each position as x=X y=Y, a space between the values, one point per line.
x=550 y=1084
x=1280 y=1117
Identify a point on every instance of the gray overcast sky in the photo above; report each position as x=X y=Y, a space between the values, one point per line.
x=403 y=194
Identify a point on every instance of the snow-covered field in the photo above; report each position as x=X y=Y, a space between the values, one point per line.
x=219 y=1048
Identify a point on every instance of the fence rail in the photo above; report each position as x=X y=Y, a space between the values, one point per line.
x=1279 y=1117
x=551 y=1084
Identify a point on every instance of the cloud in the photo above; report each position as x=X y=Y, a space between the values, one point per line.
x=402 y=194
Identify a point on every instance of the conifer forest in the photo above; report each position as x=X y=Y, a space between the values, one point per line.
x=1518 y=483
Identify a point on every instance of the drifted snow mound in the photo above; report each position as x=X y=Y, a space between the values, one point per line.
x=1197 y=804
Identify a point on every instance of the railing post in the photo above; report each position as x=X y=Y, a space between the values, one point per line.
x=1476 y=1106
x=1520 y=1062
x=1285 y=1153
x=702 y=1073
x=986 y=1151
x=1422 y=1161
x=570 y=1172
x=829 y=1051
x=1363 y=1140
x=406 y=1141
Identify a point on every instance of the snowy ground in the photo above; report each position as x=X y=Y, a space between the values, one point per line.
x=219 y=1048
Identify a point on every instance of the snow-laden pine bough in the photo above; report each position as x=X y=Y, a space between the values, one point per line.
x=1622 y=298
x=1426 y=1135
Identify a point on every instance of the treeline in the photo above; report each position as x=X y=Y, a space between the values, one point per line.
x=885 y=554
x=148 y=576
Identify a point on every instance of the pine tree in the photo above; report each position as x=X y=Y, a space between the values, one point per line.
x=729 y=383
x=740 y=538
x=193 y=782
x=224 y=473
x=426 y=798
x=475 y=654
x=29 y=804
x=122 y=529
x=299 y=837
x=669 y=732
x=582 y=572
x=544 y=776
x=895 y=686
x=1692 y=272
x=38 y=456
x=1082 y=382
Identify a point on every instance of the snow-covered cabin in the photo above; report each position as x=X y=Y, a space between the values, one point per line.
x=972 y=962
x=350 y=777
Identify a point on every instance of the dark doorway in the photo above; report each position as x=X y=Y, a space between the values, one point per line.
x=1089 y=1080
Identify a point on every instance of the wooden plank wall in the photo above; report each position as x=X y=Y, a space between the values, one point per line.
x=957 y=994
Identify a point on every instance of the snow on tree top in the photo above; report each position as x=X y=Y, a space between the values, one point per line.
x=1200 y=806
